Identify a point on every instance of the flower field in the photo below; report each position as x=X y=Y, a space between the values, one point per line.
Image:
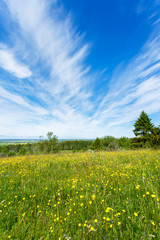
x=103 y=195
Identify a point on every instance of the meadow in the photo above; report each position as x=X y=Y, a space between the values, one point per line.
x=99 y=195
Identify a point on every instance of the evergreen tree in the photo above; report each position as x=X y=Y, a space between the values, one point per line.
x=155 y=136
x=143 y=130
x=97 y=145
x=143 y=125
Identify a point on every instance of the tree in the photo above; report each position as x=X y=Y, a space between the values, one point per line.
x=50 y=136
x=107 y=140
x=156 y=136
x=124 y=142
x=97 y=145
x=143 y=125
x=51 y=145
x=143 y=130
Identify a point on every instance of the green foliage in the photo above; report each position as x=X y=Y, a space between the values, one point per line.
x=110 y=143
x=2 y=155
x=143 y=125
x=124 y=143
x=47 y=146
x=23 y=151
x=77 y=145
x=11 y=154
x=143 y=131
x=97 y=145
x=155 y=137
x=50 y=136
x=106 y=140
x=113 y=146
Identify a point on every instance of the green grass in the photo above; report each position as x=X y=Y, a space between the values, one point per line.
x=19 y=141
x=101 y=195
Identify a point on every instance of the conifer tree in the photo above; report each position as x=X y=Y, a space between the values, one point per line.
x=97 y=145
x=143 y=125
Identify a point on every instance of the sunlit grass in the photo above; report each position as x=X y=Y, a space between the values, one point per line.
x=101 y=195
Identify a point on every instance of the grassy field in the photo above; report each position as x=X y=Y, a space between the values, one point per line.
x=17 y=141
x=105 y=195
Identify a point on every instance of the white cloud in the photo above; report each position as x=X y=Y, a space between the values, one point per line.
x=55 y=39
x=9 y=63
x=134 y=87
x=61 y=97
x=13 y=98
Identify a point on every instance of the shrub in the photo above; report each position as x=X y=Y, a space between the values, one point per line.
x=11 y=154
x=113 y=146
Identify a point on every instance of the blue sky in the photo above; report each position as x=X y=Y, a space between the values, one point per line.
x=80 y=69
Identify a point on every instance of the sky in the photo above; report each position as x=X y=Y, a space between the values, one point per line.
x=80 y=69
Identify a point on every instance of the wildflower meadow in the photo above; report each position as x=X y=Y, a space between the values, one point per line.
x=99 y=195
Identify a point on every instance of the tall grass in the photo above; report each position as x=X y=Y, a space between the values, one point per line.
x=101 y=195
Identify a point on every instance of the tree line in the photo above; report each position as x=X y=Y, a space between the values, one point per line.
x=146 y=136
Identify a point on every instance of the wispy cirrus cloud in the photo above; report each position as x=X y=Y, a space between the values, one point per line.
x=133 y=87
x=55 y=41
x=56 y=92
x=9 y=63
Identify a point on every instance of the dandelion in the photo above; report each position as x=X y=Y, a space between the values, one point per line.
x=93 y=197
x=135 y=214
x=153 y=195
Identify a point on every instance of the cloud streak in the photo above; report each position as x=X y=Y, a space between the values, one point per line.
x=9 y=63
x=60 y=94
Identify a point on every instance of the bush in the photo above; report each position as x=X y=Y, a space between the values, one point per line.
x=113 y=146
x=2 y=155
x=97 y=145
x=23 y=151
x=11 y=154
x=124 y=143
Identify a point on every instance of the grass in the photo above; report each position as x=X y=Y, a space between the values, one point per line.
x=17 y=141
x=105 y=195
